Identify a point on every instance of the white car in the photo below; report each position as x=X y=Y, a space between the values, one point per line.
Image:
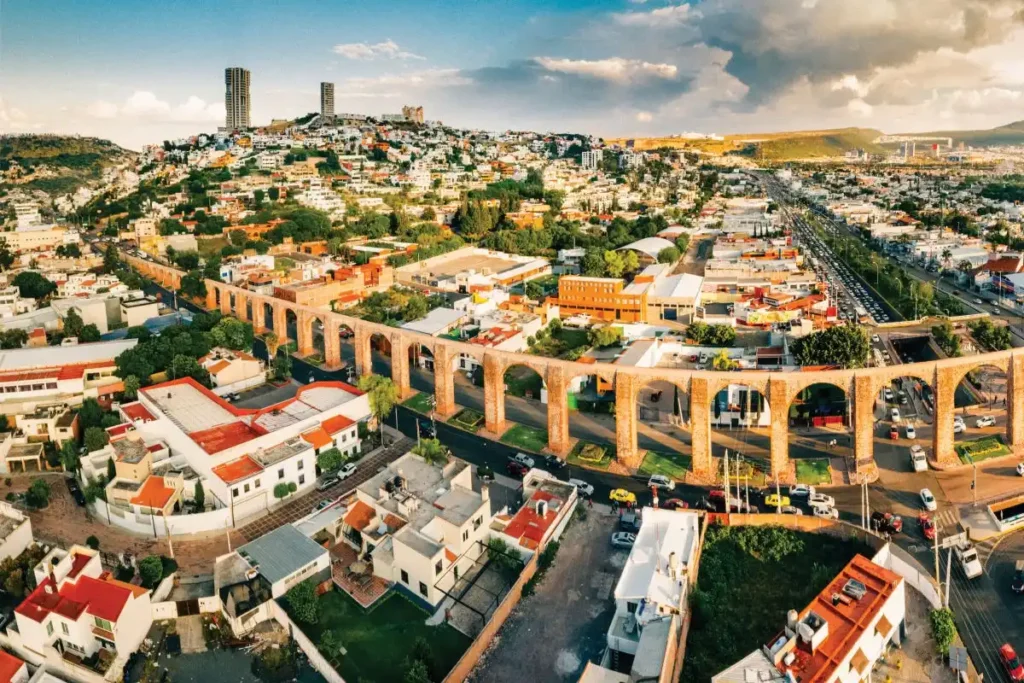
x=928 y=500
x=875 y=338
x=524 y=460
x=347 y=470
x=911 y=432
x=895 y=414
x=661 y=481
x=969 y=561
x=985 y=421
x=887 y=394
x=583 y=488
x=824 y=511
x=822 y=500
x=958 y=425
x=918 y=460
x=791 y=510
x=1020 y=469
x=801 y=491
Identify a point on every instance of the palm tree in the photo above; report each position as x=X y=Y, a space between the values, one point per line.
x=272 y=344
x=947 y=256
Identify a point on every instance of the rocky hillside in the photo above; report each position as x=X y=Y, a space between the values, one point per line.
x=56 y=164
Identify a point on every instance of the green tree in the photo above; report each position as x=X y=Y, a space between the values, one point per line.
x=131 y=386
x=593 y=264
x=187 y=260
x=943 y=629
x=281 y=491
x=614 y=264
x=282 y=366
x=111 y=261
x=95 y=439
x=13 y=339
x=187 y=366
x=274 y=194
x=32 y=285
x=258 y=196
x=93 y=542
x=432 y=451
x=329 y=460
x=199 y=496
x=6 y=257
x=303 y=602
x=90 y=333
x=602 y=337
x=844 y=346
x=382 y=394
x=238 y=237
x=232 y=333
x=193 y=284
x=69 y=456
x=151 y=571
x=73 y=323
x=722 y=361
x=668 y=255
x=38 y=494
x=416 y=672
x=630 y=262
x=90 y=413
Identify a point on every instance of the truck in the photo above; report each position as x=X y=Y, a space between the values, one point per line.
x=967 y=556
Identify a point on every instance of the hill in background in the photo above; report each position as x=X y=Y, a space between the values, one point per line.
x=1010 y=134
x=56 y=164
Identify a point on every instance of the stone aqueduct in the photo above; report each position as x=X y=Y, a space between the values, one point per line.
x=701 y=386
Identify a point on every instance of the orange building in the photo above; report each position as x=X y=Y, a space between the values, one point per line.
x=319 y=292
x=603 y=298
x=254 y=231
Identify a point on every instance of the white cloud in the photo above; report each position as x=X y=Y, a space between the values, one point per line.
x=663 y=17
x=14 y=119
x=612 y=69
x=434 y=78
x=644 y=116
x=859 y=107
x=366 y=51
x=145 y=105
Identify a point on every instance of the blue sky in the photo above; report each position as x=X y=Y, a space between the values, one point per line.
x=140 y=72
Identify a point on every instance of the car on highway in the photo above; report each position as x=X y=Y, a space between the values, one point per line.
x=623 y=540
x=523 y=459
x=886 y=522
x=967 y=556
x=582 y=488
x=918 y=459
x=801 y=491
x=1017 y=582
x=978 y=301
x=622 y=496
x=516 y=469
x=984 y=421
x=901 y=396
x=824 y=511
x=895 y=414
x=911 y=432
x=775 y=500
x=327 y=482
x=347 y=470
x=928 y=500
x=1011 y=663
x=660 y=481
x=821 y=499
x=927 y=526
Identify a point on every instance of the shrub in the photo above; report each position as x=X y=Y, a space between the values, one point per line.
x=943 y=629
x=329 y=460
x=151 y=571
x=38 y=494
x=281 y=491
x=93 y=542
x=303 y=601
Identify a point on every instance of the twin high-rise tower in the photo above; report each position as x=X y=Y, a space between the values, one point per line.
x=236 y=98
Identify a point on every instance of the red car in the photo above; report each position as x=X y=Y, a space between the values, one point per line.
x=927 y=526
x=894 y=433
x=675 y=504
x=516 y=469
x=1011 y=663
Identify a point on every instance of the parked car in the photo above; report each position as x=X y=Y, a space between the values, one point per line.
x=516 y=469
x=875 y=338
x=801 y=491
x=775 y=500
x=1008 y=658
x=824 y=511
x=553 y=463
x=911 y=432
x=886 y=522
x=75 y=490
x=968 y=558
x=894 y=432
x=928 y=500
x=326 y=482
x=895 y=414
x=958 y=425
x=622 y=496
x=1017 y=582
x=902 y=397
x=523 y=459
x=630 y=522
x=927 y=526
x=623 y=540
x=821 y=499
x=984 y=421
x=887 y=394
x=791 y=510
x=660 y=481
x=582 y=488
x=675 y=504
x=918 y=460
x=347 y=470
x=321 y=505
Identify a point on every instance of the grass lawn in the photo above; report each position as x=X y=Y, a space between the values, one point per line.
x=592 y=455
x=468 y=419
x=210 y=247
x=527 y=438
x=421 y=403
x=672 y=465
x=813 y=471
x=749 y=577
x=378 y=641
x=981 y=449
x=560 y=343
x=521 y=380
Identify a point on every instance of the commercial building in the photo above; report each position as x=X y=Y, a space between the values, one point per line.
x=137 y=311
x=237 y=103
x=654 y=294
x=326 y=100
x=838 y=638
x=472 y=269
x=37 y=238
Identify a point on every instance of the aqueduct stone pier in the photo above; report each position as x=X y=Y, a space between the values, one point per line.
x=861 y=387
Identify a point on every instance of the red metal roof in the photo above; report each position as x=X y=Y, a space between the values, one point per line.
x=154 y=493
x=359 y=515
x=78 y=562
x=9 y=666
x=137 y=411
x=337 y=423
x=101 y=599
x=223 y=437
x=237 y=470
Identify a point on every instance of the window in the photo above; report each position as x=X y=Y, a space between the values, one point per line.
x=437 y=568
x=234 y=492
x=302 y=463
x=64 y=627
x=423 y=589
x=246 y=488
x=405 y=576
x=280 y=473
x=302 y=479
x=465 y=535
x=104 y=624
x=631 y=607
x=477 y=522
x=49 y=626
x=256 y=485
x=344 y=438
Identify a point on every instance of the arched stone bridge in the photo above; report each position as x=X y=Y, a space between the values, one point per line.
x=862 y=386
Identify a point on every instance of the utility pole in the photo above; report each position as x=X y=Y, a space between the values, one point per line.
x=938 y=581
x=974 y=481
x=949 y=568
x=778 y=496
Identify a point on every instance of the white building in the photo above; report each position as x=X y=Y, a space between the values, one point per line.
x=15 y=531
x=11 y=303
x=591 y=159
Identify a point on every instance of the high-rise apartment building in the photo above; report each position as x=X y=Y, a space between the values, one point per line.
x=326 y=100
x=413 y=114
x=236 y=98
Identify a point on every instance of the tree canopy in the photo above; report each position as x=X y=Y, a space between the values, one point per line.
x=845 y=346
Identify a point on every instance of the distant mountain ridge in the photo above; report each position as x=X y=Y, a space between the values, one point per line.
x=1010 y=134
x=57 y=164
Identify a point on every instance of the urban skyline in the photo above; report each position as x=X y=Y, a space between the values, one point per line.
x=608 y=68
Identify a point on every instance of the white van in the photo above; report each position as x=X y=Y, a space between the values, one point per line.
x=918 y=460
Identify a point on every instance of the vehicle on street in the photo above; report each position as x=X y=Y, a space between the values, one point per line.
x=426 y=429
x=801 y=491
x=703 y=358
x=516 y=469
x=1020 y=469
x=1011 y=662
x=327 y=482
x=347 y=470
x=675 y=504
x=927 y=526
x=911 y=432
x=824 y=511
x=984 y=421
x=887 y=394
x=775 y=500
x=553 y=463
x=321 y=505
x=968 y=558
x=75 y=490
x=894 y=432
x=630 y=522
x=1017 y=582
x=582 y=488
x=622 y=496
x=895 y=414
x=958 y=425
x=928 y=500
x=918 y=459
x=902 y=398
x=886 y=522
x=791 y=510
x=875 y=338
x=660 y=481
x=623 y=540
x=821 y=499
x=524 y=459
x=978 y=301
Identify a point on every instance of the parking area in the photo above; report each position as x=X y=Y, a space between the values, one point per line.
x=554 y=633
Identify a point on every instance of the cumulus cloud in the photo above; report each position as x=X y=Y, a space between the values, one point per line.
x=611 y=69
x=144 y=105
x=644 y=116
x=14 y=119
x=663 y=17
x=366 y=51
x=426 y=78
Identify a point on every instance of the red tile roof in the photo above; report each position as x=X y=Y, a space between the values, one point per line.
x=137 y=411
x=527 y=525
x=9 y=666
x=99 y=598
x=218 y=366
x=359 y=516
x=317 y=438
x=154 y=493
x=337 y=423
x=237 y=470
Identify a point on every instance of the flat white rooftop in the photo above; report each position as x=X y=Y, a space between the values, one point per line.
x=189 y=408
x=51 y=356
x=436 y=322
x=664 y=535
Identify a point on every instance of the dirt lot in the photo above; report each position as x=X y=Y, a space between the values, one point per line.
x=554 y=633
x=917 y=661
